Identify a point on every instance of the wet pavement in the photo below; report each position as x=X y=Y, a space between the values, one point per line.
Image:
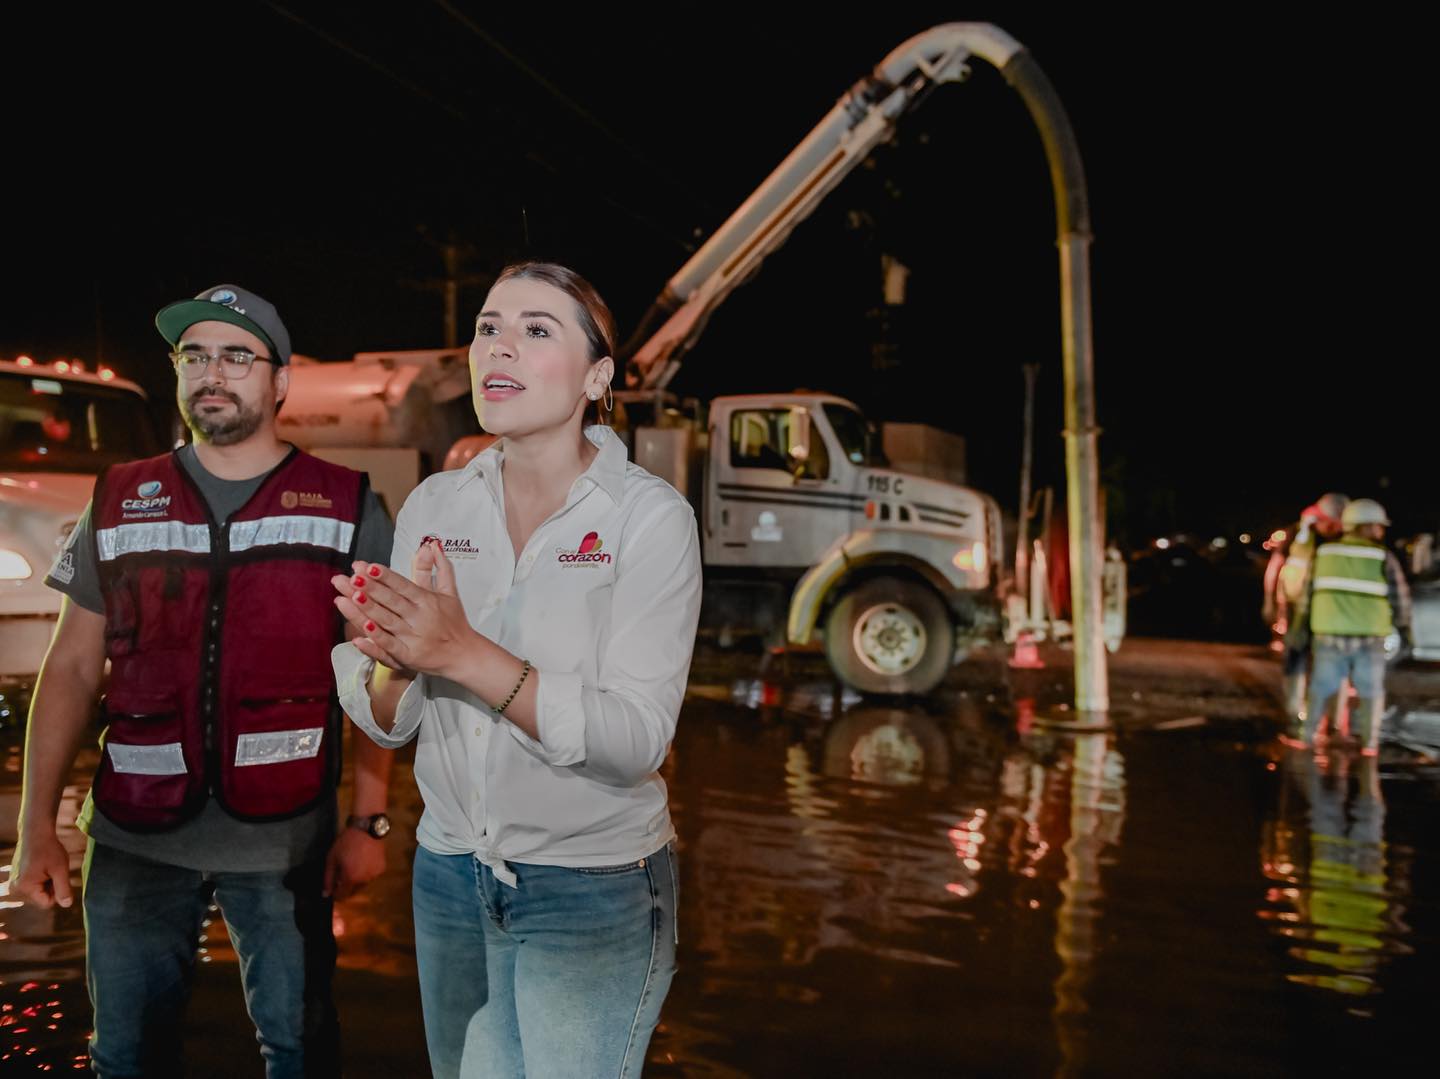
x=959 y=887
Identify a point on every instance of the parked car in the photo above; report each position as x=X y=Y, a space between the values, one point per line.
x=1425 y=623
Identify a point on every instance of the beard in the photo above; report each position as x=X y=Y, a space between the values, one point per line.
x=219 y=429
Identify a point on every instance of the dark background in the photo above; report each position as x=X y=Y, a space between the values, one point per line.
x=1261 y=263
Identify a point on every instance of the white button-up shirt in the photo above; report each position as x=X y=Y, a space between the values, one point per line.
x=603 y=601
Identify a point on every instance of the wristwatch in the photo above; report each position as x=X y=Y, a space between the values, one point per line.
x=377 y=825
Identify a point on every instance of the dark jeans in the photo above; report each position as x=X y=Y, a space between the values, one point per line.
x=142 y=930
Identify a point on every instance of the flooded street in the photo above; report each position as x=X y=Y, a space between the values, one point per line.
x=958 y=888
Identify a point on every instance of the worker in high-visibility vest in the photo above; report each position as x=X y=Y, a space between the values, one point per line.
x=1342 y=894
x=1355 y=596
x=1285 y=580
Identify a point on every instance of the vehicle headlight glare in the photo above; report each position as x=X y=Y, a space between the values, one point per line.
x=13 y=566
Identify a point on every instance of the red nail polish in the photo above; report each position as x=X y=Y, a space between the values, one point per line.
x=360 y=597
x=358 y=582
x=374 y=571
x=369 y=627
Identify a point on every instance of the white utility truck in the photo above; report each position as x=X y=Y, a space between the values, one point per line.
x=807 y=532
x=59 y=426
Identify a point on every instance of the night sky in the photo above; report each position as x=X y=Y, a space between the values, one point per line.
x=1261 y=260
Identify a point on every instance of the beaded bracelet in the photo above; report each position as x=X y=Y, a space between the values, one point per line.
x=524 y=674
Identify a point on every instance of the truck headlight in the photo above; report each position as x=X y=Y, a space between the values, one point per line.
x=13 y=566
x=975 y=557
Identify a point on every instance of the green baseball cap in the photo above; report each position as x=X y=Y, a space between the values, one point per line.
x=232 y=304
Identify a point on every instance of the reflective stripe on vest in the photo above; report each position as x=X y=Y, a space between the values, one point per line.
x=1345 y=584
x=1296 y=566
x=165 y=759
x=277 y=747
x=1353 y=550
x=314 y=531
x=1351 y=592
x=175 y=536
x=147 y=536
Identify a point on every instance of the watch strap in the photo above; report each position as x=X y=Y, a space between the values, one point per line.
x=364 y=824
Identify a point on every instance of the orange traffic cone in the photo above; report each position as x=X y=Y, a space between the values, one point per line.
x=1027 y=656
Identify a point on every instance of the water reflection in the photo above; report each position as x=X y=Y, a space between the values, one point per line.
x=889 y=746
x=829 y=845
x=1097 y=812
x=42 y=953
x=1325 y=852
x=946 y=888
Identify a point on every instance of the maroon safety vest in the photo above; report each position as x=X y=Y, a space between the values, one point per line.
x=219 y=639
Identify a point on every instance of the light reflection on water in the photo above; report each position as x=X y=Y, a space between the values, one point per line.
x=904 y=839
x=1332 y=898
x=919 y=890
x=42 y=953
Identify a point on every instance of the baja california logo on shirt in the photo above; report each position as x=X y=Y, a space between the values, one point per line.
x=588 y=553
x=454 y=548
x=290 y=499
x=150 y=502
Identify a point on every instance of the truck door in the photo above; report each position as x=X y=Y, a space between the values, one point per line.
x=779 y=496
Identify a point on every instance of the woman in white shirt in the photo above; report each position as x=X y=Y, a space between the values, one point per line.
x=540 y=648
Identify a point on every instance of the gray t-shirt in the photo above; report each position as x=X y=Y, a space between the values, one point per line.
x=213 y=840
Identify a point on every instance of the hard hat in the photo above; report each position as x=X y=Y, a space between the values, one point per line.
x=1364 y=511
x=1332 y=504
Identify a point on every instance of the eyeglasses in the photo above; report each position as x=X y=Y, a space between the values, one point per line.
x=234 y=363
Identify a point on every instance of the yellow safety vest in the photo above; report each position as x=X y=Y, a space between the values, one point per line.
x=1351 y=594
x=1297 y=565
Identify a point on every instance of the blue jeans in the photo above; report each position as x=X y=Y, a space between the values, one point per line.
x=562 y=976
x=1362 y=661
x=1295 y=665
x=142 y=929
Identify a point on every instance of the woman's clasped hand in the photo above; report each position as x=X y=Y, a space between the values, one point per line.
x=408 y=625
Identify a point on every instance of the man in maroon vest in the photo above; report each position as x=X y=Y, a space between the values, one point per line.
x=203 y=577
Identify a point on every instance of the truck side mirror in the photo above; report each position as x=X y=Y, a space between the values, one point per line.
x=875 y=444
x=797 y=439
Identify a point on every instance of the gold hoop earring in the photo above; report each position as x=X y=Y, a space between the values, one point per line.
x=609 y=399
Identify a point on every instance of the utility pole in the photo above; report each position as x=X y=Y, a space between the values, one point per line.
x=1082 y=432
x=1022 y=539
x=99 y=330
x=452 y=294
x=453 y=253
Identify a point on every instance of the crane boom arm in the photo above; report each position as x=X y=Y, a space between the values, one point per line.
x=862 y=119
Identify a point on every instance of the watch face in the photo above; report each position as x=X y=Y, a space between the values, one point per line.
x=380 y=825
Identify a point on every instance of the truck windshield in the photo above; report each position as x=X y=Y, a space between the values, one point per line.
x=54 y=425
x=858 y=439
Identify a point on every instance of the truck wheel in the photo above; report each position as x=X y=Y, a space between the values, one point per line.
x=890 y=636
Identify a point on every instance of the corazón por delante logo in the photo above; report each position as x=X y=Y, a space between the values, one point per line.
x=589 y=552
